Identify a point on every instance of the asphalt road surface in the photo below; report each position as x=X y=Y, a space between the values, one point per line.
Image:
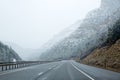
x=62 y=70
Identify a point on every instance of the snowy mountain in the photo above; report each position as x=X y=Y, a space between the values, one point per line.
x=24 y=53
x=7 y=54
x=92 y=32
x=61 y=36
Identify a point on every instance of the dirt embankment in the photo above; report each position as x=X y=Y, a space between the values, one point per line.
x=107 y=57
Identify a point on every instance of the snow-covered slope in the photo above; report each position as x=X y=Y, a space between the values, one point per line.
x=90 y=33
x=7 y=54
x=61 y=36
x=25 y=54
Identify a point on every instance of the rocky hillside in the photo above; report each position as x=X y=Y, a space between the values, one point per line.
x=107 y=57
x=8 y=54
x=92 y=32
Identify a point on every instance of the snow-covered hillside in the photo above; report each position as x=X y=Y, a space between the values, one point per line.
x=24 y=53
x=86 y=35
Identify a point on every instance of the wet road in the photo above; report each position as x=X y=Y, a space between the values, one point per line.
x=62 y=70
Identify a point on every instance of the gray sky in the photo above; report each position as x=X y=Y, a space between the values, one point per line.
x=31 y=23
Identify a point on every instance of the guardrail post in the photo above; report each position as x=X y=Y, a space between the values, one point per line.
x=15 y=66
x=6 y=67
x=2 y=67
x=12 y=66
x=9 y=67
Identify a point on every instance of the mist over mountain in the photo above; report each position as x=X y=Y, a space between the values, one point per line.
x=7 y=54
x=24 y=53
x=85 y=36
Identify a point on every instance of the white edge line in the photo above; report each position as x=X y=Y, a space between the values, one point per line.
x=83 y=72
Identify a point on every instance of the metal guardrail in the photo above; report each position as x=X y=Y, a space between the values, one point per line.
x=14 y=65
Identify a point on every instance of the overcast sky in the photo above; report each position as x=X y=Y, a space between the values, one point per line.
x=31 y=23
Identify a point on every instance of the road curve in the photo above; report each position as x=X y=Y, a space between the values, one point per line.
x=62 y=70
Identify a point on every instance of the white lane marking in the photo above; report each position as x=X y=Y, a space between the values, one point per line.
x=40 y=73
x=58 y=67
x=54 y=66
x=44 y=78
x=83 y=72
x=50 y=68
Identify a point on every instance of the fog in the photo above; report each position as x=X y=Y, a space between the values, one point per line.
x=31 y=23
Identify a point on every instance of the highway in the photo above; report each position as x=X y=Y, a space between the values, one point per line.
x=62 y=70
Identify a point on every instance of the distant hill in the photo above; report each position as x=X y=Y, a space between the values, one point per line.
x=7 y=54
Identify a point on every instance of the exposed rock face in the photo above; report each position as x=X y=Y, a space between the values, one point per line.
x=8 y=54
x=90 y=34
